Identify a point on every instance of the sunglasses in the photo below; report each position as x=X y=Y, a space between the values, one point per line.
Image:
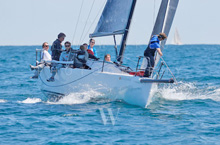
x=67 y=45
x=93 y=42
x=162 y=37
x=46 y=45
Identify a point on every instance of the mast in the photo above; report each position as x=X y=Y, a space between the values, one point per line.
x=124 y=38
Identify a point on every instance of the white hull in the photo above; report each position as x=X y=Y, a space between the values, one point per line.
x=117 y=85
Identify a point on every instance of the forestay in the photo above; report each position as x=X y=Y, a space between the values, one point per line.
x=114 y=18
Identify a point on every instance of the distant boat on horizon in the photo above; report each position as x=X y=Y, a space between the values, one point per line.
x=176 y=39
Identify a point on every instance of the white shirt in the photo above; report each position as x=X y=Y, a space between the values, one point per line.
x=45 y=56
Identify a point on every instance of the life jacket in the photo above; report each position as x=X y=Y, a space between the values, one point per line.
x=90 y=51
x=151 y=49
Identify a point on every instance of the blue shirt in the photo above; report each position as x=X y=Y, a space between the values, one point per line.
x=154 y=42
x=94 y=51
x=68 y=55
x=65 y=56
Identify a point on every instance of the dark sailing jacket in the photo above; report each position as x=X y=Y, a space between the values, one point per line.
x=81 y=59
x=56 y=49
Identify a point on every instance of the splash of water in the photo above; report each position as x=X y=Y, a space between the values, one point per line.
x=78 y=98
x=31 y=101
x=188 y=91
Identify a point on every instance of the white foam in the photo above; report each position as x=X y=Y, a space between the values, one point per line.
x=189 y=91
x=2 y=101
x=31 y=100
x=77 y=98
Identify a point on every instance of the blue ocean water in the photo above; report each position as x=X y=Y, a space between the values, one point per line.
x=186 y=113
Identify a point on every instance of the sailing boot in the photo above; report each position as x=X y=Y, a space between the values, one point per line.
x=33 y=67
x=51 y=79
x=34 y=77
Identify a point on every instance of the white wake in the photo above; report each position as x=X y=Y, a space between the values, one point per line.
x=77 y=98
x=188 y=91
x=31 y=101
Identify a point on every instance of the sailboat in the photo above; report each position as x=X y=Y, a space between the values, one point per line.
x=176 y=39
x=113 y=79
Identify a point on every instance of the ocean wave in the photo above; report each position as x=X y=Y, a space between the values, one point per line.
x=31 y=101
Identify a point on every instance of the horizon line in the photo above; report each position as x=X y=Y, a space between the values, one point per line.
x=127 y=44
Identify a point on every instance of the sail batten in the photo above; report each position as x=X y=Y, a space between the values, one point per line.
x=100 y=34
x=114 y=18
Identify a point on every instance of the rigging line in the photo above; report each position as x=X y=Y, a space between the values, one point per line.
x=87 y=21
x=78 y=20
x=94 y=20
x=169 y=70
x=154 y=12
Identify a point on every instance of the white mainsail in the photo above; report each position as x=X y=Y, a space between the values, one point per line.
x=176 y=39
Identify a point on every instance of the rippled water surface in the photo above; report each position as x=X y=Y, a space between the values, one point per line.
x=186 y=113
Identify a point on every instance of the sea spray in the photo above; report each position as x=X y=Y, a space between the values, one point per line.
x=78 y=98
x=187 y=91
x=31 y=101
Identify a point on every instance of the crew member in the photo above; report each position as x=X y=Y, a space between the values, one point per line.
x=66 y=55
x=108 y=58
x=92 y=48
x=56 y=47
x=149 y=53
x=90 y=52
x=81 y=58
x=45 y=56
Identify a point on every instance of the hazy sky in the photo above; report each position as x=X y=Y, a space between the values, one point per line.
x=31 y=22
